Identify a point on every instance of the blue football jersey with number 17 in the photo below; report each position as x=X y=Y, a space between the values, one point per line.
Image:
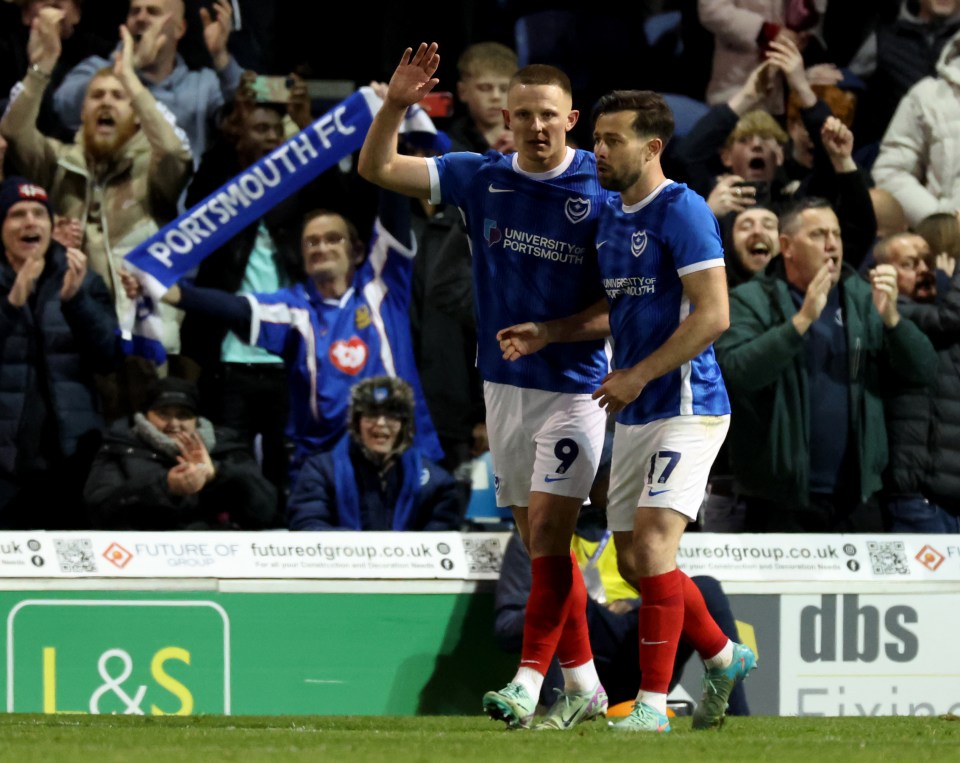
x=532 y=240
x=644 y=250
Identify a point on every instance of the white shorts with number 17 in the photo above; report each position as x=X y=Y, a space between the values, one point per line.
x=548 y=442
x=663 y=464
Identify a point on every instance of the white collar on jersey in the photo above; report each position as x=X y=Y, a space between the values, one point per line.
x=549 y=174
x=648 y=198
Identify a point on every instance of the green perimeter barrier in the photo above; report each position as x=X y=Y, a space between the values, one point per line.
x=181 y=652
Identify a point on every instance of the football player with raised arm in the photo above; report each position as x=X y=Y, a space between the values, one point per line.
x=531 y=218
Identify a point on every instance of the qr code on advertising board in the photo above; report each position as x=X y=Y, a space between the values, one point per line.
x=888 y=557
x=75 y=555
x=483 y=554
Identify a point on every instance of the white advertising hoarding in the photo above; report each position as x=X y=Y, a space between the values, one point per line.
x=864 y=655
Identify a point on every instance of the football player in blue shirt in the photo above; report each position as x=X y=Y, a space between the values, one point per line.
x=531 y=218
x=662 y=267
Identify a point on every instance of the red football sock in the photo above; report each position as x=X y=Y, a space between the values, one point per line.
x=573 y=649
x=547 y=610
x=699 y=627
x=661 y=621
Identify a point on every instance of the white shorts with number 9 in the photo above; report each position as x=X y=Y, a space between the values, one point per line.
x=542 y=441
x=663 y=464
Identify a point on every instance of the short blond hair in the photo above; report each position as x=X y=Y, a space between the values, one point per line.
x=757 y=123
x=487 y=58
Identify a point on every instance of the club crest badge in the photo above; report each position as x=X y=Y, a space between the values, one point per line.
x=491 y=232
x=638 y=242
x=361 y=317
x=577 y=209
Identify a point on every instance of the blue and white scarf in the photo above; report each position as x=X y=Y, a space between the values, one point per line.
x=164 y=258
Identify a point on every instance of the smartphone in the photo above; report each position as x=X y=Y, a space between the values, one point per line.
x=272 y=89
x=437 y=104
x=333 y=90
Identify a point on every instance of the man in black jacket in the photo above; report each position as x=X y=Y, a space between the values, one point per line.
x=171 y=470
x=921 y=486
x=57 y=327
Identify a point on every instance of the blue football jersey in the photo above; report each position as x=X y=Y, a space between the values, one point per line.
x=532 y=240
x=644 y=250
x=328 y=345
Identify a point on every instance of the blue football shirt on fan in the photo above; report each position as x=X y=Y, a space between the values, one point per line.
x=643 y=251
x=532 y=240
x=328 y=345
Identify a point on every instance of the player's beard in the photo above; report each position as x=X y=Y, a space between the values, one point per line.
x=619 y=183
x=102 y=147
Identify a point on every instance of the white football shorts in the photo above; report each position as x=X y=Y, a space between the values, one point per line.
x=663 y=464
x=542 y=441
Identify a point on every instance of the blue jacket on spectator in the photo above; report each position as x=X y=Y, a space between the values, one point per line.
x=342 y=489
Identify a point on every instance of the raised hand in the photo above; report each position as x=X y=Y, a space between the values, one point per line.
x=216 y=32
x=74 y=275
x=883 y=279
x=193 y=450
x=785 y=56
x=123 y=64
x=67 y=231
x=151 y=42
x=824 y=74
x=44 y=46
x=413 y=77
x=758 y=86
x=131 y=286
x=186 y=478
x=815 y=299
x=727 y=196
x=838 y=143
x=25 y=281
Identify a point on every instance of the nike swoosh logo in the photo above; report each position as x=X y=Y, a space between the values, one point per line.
x=651 y=643
x=659 y=492
x=493 y=189
x=548 y=478
x=601 y=244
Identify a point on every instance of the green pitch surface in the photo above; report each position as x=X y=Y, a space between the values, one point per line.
x=105 y=739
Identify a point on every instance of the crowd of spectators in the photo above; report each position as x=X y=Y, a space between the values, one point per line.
x=318 y=368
